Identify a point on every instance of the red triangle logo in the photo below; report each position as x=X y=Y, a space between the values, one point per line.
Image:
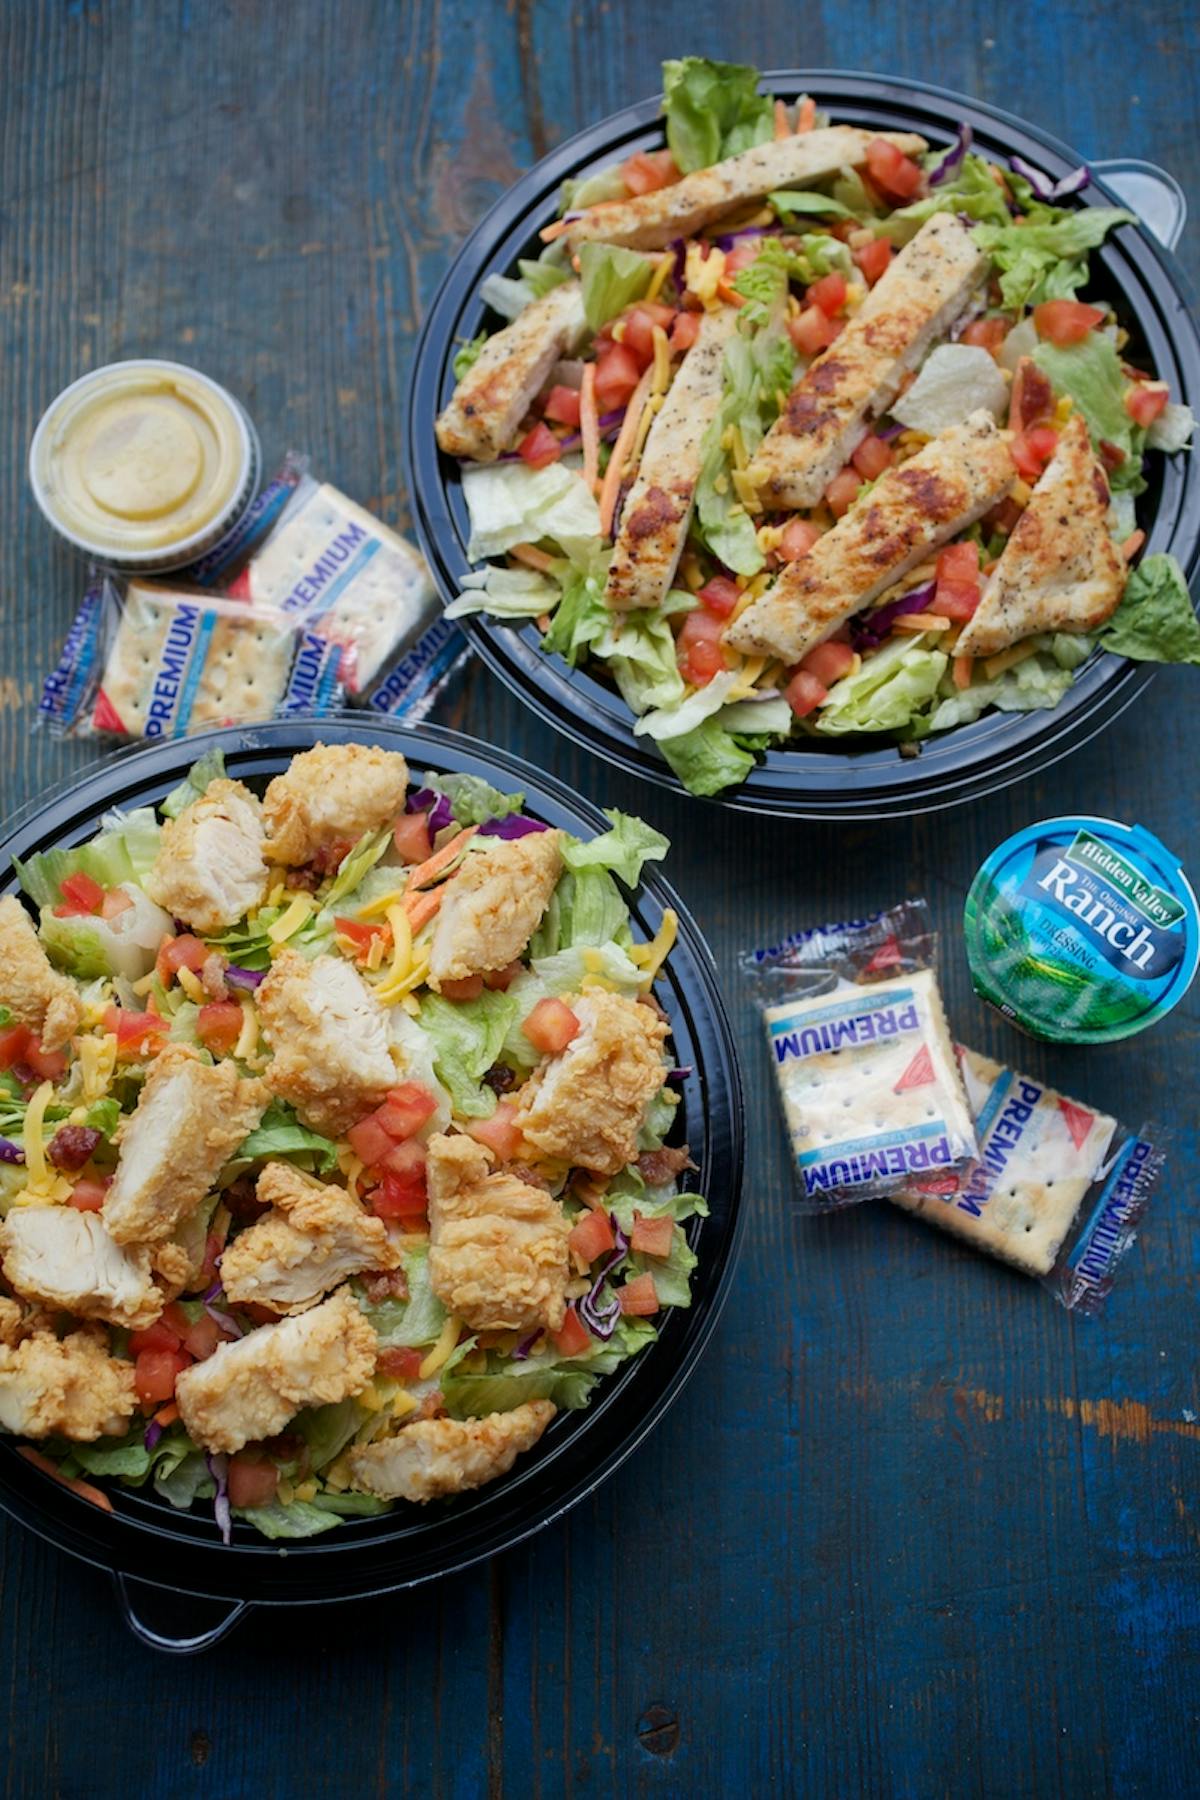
x=886 y=957
x=239 y=587
x=919 y=1072
x=105 y=716
x=1079 y=1122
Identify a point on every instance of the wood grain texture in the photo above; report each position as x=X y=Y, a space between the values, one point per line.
x=910 y=1531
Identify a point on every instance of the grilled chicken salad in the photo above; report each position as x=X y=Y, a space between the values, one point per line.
x=334 y=1154
x=798 y=431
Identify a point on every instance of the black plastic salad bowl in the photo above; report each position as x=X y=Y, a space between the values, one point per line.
x=863 y=777
x=154 y=1552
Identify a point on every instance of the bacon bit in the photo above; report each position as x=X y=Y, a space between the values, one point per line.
x=1111 y=455
x=659 y=1166
x=306 y=880
x=1132 y=545
x=84 y=1489
x=807 y=116
x=783 y=125
x=431 y=1407
x=385 y=1284
x=212 y=978
x=530 y=1176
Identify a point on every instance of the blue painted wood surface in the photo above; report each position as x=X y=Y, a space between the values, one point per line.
x=910 y=1531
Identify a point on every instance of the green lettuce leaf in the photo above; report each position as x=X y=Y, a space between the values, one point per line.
x=713 y=110
x=970 y=191
x=757 y=371
x=611 y=278
x=639 y=650
x=210 y=767
x=181 y=1483
x=279 y=1135
x=764 y=282
x=467 y=355
x=1046 y=258
x=506 y=594
x=123 y=852
x=409 y=1324
x=1155 y=621
x=889 y=690
x=586 y=909
x=792 y=203
x=707 y=759
x=1090 y=372
x=605 y=184
x=568 y=1381
x=328 y=1429
x=546 y=272
x=467 y=1038
x=299 y=1519
x=89 y=947
x=624 y=849
x=510 y=503
x=357 y=865
x=474 y=801
x=581 y=619
x=1040 y=681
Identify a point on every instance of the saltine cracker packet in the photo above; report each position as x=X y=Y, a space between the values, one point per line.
x=869 y=1083
x=1058 y=1189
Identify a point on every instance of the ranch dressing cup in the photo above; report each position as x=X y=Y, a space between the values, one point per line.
x=144 y=466
x=1081 y=930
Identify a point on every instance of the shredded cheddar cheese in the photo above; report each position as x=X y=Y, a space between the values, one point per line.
x=402 y=943
x=192 y=986
x=289 y=922
x=441 y=1351
x=247 y=1041
x=650 y=957
x=35 y=1150
x=378 y=909
x=97 y=1060
x=666 y=263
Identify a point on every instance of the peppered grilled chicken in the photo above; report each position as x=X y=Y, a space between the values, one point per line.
x=496 y=392
x=915 y=302
x=911 y=511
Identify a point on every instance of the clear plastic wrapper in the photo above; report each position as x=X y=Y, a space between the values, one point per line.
x=260 y=518
x=147 y=659
x=870 y=1086
x=1057 y=1191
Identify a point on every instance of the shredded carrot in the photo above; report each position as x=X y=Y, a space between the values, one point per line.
x=625 y=439
x=783 y=125
x=167 y=1415
x=543 y=622
x=589 y=428
x=422 y=907
x=84 y=1489
x=730 y=295
x=807 y=116
x=441 y=859
x=548 y=233
x=962 y=671
x=921 y=622
x=1132 y=545
x=532 y=557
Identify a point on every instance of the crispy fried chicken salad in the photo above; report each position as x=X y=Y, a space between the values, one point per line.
x=333 y=1157
x=798 y=431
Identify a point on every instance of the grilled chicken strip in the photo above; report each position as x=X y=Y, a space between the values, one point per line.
x=911 y=511
x=857 y=378
x=652 y=220
x=494 y=395
x=654 y=523
x=1060 y=570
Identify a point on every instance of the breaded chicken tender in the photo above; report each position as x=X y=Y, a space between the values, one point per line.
x=210 y=870
x=493 y=905
x=32 y=989
x=64 y=1259
x=190 y=1118
x=329 y=1036
x=69 y=1387
x=497 y=1246
x=314 y=1237
x=436 y=1457
x=587 y=1105
x=249 y=1390
x=332 y=794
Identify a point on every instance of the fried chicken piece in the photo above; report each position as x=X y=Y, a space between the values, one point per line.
x=332 y=794
x=587 y=1105
x=314 y=1237
x=493 y=905
x=497 y=1245
x=210 y=870
x=190 y=1118
x=436 y=1457
x=66 y=1260
x=69 y=1387
x=329 y=1036
x=249 y=1390
x=32 y=989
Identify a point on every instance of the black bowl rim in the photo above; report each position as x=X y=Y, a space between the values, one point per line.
x=860 y=783
x=181 y=1552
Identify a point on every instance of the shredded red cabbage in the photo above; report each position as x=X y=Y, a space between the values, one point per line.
x=249 y=979
x=680 y=1074
x=10 y=1152
x=223 y=1321
x=526 y=1345
x=436 y=805
x=218 y=1468
x=869 y=630
x=153 y=1432
x=516 y=825
x=888 y=432
x=953 y=157
x=1044 y=188
x=602 y=1321
x=748 y=231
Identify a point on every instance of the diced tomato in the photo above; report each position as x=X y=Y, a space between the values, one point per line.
x=648 y=170
x=138 y=1033
x=842 y=491
x=214 y=1244
x=1065 y=321
x=592 y=1236
x=158 y=1336
x=219 y=1026
x=253 y=1481
x=829 y=662
x=638 y=336
x=1032 y=450
x=88 y=1196
x=551 y=1026
x=360 y=933
x=175 y=1319
x=369 y=1141
x=896 y=174
x=402 y=1195
x=959 y=562
x=829 y=293
x=14 y=1040
x=957 y=599
x=1145 y=400
x=406 y=1109
x=80 y=894
x=797 y=539
x=47 y=1065
x=410 y=834
x=402 y=1363
x=500 y=979
x=699 y=647
x=562 y=405
x=804 y=692
x=539 y=447
x=873 y=258
x=572 y=1337
x=872 y=457
x=202 y=1338
x=986 y=334
x=155 y=1373
x=741 y=257
x=499 y=1133
x=813 y=331
x=638 y=1297
x=720 y=596
x=185 y=952
x=685 y=330
x=1032 y=396
x=617 y=374
x=1111 y=455
x=652 y=1237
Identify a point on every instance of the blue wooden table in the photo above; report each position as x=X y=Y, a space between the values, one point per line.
x=910 y=1531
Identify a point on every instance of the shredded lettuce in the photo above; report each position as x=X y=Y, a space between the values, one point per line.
x=467 y=1036
x=640 y=652
x=1090 y=373
x=611 y=278
x=763 y=284
x=758 y=369
x=955 y=380
x=708 y=758
x=474 y=801
x=298 y=1519
x=624 y=848
x=467 y=355
x=328 y=1429
x=713 y=110
x=1173 y=428
x=210 y=767
x=888 y=690
x=1046 y=258
x=123 y=852
x=791 y=203
x=410 y=1324
x=280 y=1135
x=357 y=865
x=971 y=191
x=585 y=911
x=605 y=184
x=1040 y=681
x=506 y=593
x=545 y=272
x=1155 y=621
x=510 y=503
x=568 y=1381
x=90 y=946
